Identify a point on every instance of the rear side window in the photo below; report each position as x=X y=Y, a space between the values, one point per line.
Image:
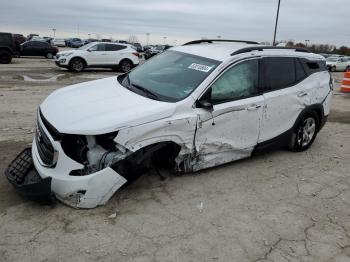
x=112 y=47
x=278 y=72
x=313 y=66
x=300 y=73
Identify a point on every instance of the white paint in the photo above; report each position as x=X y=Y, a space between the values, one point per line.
x=104 y=106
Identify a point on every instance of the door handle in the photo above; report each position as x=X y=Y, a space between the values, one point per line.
x=253 y=107
x=302 y=93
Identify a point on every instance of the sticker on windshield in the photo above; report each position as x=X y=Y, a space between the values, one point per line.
x=198 y=67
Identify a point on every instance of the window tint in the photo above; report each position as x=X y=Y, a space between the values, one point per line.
x=238 y=82
x=112 y=47
x=278 y=72
x=300 y=73
x=97 y=47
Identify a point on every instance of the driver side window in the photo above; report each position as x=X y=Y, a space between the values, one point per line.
x=238 y=82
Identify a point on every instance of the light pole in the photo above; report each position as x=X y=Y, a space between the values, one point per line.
x=278 y=12
x=164 y=37
x=147 y=34
x=54 y=32
x=306 y=42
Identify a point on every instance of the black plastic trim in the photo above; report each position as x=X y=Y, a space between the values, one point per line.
x=262 y=48
x=210 y=41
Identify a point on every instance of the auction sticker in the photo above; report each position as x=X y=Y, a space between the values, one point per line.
x=198 y=67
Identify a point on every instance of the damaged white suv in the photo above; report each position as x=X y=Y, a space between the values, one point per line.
x=192 y=107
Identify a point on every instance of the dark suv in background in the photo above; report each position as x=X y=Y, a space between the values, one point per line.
x=7 y=48
x=38 y=48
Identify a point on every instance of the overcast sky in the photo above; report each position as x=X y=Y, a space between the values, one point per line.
x=320 y=21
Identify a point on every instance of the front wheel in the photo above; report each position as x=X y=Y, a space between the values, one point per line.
x=333 y=69
x=76 y=65
x=125 y=66
x=305 y=132
x=5 y=57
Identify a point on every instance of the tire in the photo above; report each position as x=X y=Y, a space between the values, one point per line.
x=305 y=132
x=5 y=57
x=347 y=69
x=49 y=55
x=333 y=69
x=77 y=65
x=125 y=65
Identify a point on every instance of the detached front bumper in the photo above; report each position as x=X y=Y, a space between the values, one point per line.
x=25 y=179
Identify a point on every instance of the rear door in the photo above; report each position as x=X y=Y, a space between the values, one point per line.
x=285 y=95
x=114 y=53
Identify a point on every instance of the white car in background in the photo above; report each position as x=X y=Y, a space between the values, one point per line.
x=58 y=42
x=97 y=54
x=335 y=63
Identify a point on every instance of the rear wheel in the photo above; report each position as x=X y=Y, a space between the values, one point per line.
x=347 y=69
x=5 y=57
x=333 y=69
x=77 y=65
x=305 y=132
x=125 y=66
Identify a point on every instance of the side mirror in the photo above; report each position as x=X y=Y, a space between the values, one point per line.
x=205 y=101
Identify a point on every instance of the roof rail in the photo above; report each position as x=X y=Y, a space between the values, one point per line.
x=261 y=48
x=210 y=41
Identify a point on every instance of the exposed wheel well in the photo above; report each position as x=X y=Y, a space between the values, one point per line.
x=159 y=155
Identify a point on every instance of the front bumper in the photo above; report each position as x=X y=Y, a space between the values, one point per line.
x=87 y=191
x=61 y=62
x=24 y=178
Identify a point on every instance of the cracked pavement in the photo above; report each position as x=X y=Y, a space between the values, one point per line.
x=279 y=206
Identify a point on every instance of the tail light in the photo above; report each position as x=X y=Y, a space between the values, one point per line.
x=136 y=54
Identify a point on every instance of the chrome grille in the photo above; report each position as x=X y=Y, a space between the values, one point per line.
x=44 y=146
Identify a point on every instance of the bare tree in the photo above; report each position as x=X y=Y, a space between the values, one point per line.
x=132 y=39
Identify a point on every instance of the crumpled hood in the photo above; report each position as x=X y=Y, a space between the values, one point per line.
x=100 y=106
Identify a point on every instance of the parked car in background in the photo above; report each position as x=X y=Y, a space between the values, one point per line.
x=58 y=42
x=138 y=47
x=37 y=38
x=106 y=40
x=190 y=108
x=47 y=39
x=97 y=54
x=8 y=48
x=90 y=40
x=75 y=42
x=336 y=63
x=19 y=38
x=30 y=36
x=154 y=50
x=38 y=48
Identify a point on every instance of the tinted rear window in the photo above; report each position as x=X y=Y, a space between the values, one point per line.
x=313 y=66
x=112 y=47
x=278 y=72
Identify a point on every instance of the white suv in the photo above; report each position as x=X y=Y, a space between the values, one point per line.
x=338 y=63
x=192 y=107
x=96 y=54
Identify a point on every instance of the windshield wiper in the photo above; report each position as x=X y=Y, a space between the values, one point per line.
x=145 y=90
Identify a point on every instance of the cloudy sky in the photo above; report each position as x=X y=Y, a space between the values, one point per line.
x=320 y=21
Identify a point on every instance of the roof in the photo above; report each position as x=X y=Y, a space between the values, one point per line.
x=223 y=51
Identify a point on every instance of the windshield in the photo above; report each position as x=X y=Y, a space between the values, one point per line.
x=332 y=59
x=171 y=76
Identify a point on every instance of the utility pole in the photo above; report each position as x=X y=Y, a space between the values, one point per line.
x=54 y=32
x=164 y=37
x=278 y=12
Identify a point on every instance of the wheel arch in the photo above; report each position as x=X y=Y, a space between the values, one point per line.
x=74 y=57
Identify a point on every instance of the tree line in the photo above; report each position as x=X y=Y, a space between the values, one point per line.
x=322 y=48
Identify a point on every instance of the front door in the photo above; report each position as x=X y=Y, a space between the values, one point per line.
x=97 y=55
x=231 y=129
